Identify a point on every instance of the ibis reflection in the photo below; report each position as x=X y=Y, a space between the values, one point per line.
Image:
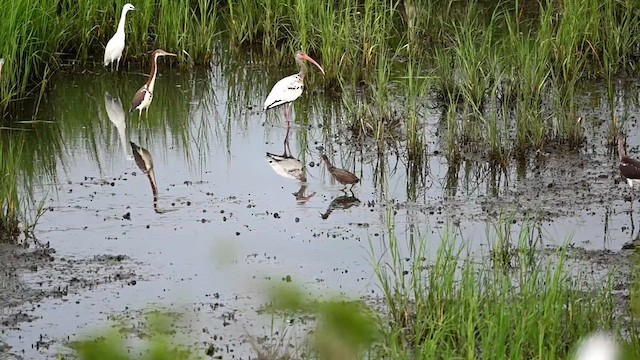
x=145 y=163
x=289 y=167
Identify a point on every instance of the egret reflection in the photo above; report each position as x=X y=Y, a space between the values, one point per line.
x=145 y=163
x=117 y=116
x=343 y=202
x=289 y=167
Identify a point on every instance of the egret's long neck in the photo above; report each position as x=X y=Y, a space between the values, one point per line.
x=621 y=152
x=303 y=68
x=151 y=83
x=122 y=20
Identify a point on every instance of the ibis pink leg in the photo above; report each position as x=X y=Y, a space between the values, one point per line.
x=287 y=113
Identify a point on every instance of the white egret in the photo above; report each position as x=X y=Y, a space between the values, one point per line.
x=115 y=46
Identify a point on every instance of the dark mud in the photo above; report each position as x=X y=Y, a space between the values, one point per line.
x=30 y=275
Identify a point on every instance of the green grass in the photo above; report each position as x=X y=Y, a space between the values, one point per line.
x=519 y=305
x=24 y=161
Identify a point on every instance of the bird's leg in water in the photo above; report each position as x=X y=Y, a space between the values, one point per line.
x=287 y=114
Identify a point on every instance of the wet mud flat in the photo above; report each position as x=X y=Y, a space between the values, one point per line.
x=31 y=275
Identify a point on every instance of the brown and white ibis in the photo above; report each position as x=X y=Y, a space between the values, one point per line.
x=144 y=96
x=115 y=46
x=629 y=168
x=1 y=66
x=342 y=176
x=288 y=89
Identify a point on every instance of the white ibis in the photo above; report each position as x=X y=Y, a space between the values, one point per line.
x=342 y=176
x=115 y=46
x=142 y=99
x=629 y=168
x=1 y=65
x=287 y=90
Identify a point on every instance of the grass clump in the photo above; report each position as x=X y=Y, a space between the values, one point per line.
x=23 y=161
x=457 y=306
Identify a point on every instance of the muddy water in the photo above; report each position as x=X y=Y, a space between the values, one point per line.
x=229 y=224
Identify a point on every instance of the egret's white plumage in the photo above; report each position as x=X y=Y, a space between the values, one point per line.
x=115 y=46
x=287 y=90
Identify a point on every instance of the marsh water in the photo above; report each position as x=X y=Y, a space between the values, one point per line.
x=229 y=224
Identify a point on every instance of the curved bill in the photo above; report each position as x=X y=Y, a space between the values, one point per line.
x=308 y=58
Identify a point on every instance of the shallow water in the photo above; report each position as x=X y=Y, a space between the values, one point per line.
x=227 y=227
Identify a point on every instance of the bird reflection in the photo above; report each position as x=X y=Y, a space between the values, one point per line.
x=289 y=167
x=343 y=202
x=145 y=163
x=116 y=115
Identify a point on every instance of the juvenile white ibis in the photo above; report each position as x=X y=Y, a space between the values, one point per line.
x=142 y=99
x=629 y=168
x=342 y=176
x=1 y=65
x=115 y=46
x=287 y=90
